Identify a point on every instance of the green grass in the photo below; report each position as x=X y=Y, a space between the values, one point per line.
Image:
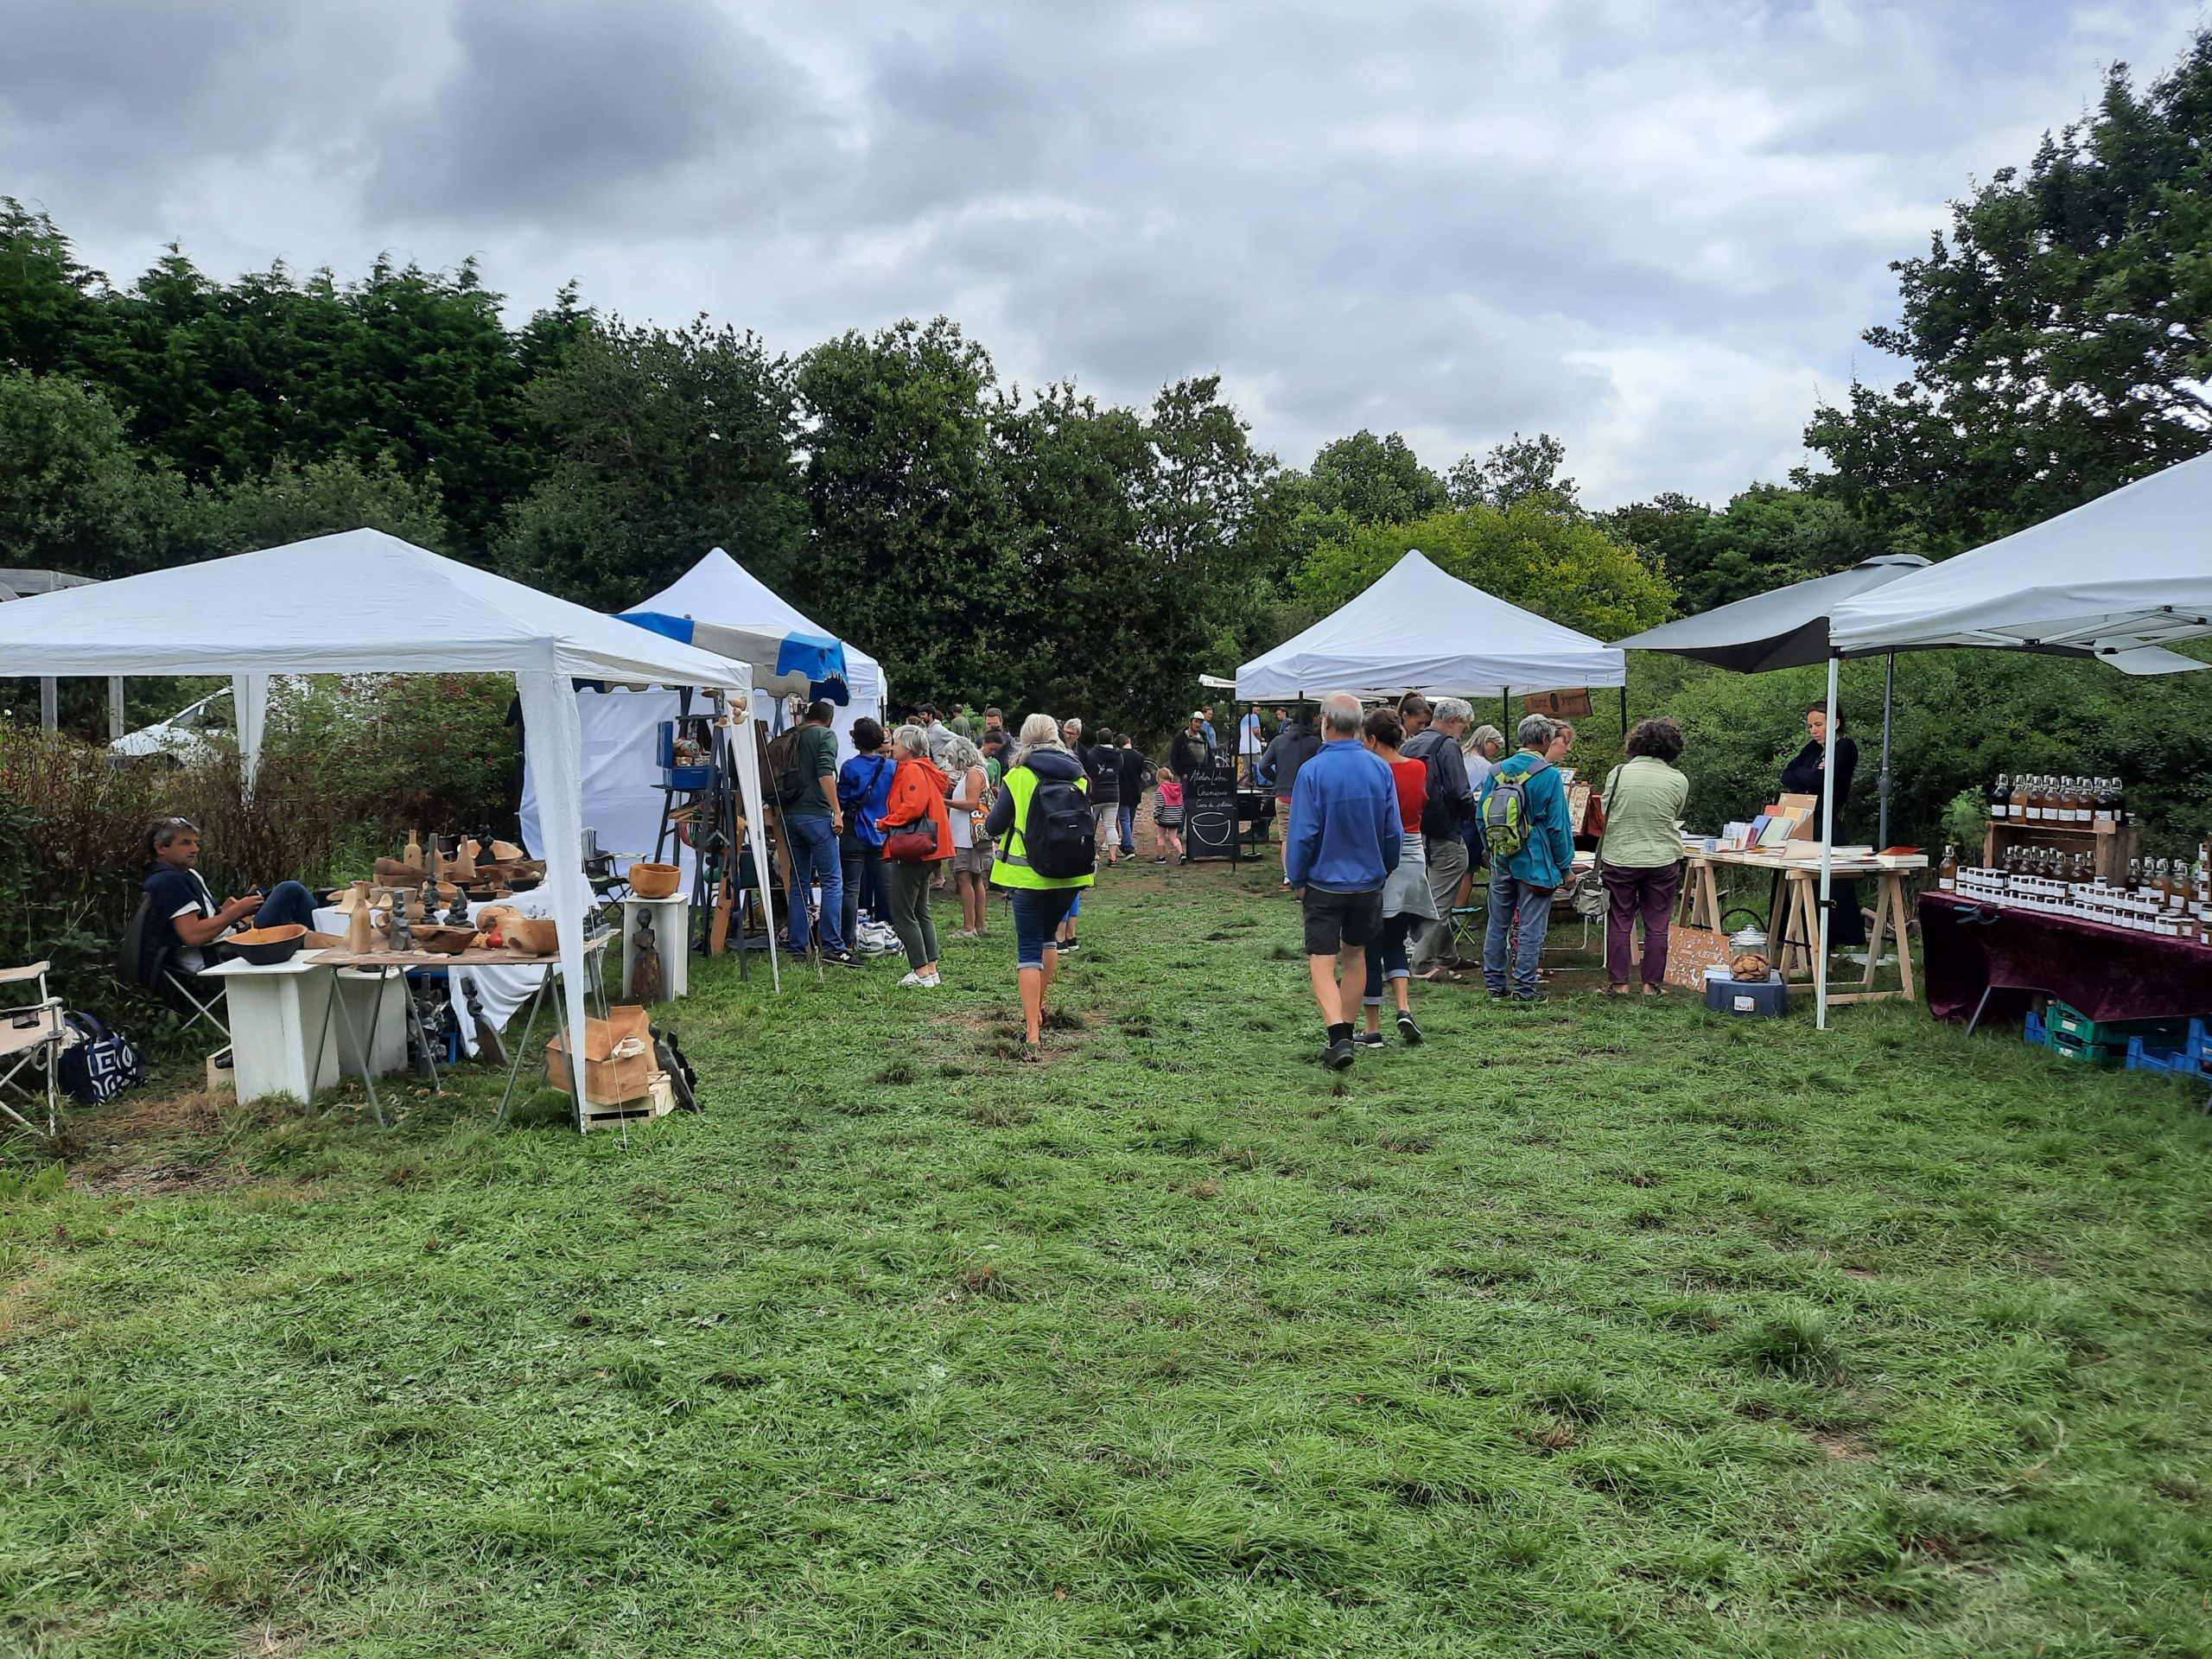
x=1603 y=1328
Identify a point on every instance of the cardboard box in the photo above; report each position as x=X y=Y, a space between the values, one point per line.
x=618 y=1059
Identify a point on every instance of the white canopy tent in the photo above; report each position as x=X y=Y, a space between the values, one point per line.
x=1421 y=629
x=720 y=590
x=2128 y=569
x=2113 y=578
x=622 y=796
x=364 y=602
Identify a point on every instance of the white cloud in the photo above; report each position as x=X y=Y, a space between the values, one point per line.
x=1655 y=227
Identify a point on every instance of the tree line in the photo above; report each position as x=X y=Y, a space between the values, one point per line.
x=1037 y=547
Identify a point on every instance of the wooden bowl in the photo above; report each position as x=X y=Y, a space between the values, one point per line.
x=654 y=881
x=534 y=936
x=443 y=941
x=265 y=947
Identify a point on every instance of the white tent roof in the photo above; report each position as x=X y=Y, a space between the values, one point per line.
x=1420 y=629
x=354 y=603
x=2128 y=569
x=719 y=589
x=364 y=602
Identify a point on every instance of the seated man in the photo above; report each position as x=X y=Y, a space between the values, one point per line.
x=183 y=917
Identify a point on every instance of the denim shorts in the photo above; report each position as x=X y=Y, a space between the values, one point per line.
x=1038 y=914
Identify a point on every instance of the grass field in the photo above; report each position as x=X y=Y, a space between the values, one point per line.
x=1602 y=1328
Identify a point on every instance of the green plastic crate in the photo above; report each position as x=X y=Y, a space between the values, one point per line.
x=2061 y=1020
x=2088 y=1053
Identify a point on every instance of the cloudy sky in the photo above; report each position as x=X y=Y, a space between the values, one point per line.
x=1656 y=229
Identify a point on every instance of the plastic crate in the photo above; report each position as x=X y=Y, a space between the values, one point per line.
x=2061 y=1020
x=2087 y=1053
x=1764 y=998
x=2146 y=1056
x=2034 y=1033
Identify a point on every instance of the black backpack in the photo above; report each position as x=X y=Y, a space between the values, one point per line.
x=1061 y=835
x=784 y=775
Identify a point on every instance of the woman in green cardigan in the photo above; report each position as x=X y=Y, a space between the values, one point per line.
x=1640 y=853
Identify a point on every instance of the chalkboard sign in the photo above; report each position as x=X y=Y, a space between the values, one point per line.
x=1210 y=813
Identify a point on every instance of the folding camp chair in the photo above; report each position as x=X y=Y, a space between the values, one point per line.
x=151 y=967
x=32 y=1034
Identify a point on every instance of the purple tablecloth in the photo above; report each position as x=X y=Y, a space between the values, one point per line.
x=2109 y=973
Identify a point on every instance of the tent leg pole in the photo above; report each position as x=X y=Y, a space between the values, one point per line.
x=1505 y=712
x=1828 y=859
x=114 y=708
x=1623 y=710
x=1882 y=794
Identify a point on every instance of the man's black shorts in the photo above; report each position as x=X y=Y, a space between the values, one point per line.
x=1335 y=919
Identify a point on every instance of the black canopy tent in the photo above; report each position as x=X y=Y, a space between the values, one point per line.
x=1786 y=627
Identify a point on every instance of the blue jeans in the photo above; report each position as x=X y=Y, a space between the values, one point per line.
x=1128 y=816
x=1512 y=902
x=286 y=903
x=814 y=857
x=1038 y=912
x=1386 y=957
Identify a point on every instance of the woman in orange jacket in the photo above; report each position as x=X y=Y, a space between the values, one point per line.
x=918 y=793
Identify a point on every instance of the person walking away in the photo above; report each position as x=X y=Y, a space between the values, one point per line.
x=1640 y=854
x=1282 y=759
x=1248 y=745
x=1137 y=777
x=1167 y=819
x=863 y=792
x=917 y=812
x=1046 y=792
x=1524 y=824
x=1447 y=806
x=1406 y=900
x=812 y=825
x=972 y=864
x=1343 y=840
x=1102 y=764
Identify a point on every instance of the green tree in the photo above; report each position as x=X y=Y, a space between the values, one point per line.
x=293 y=502
x=664 y=443
x=1371 y=480
x=910 y=551
x=1768 y=536
x=1569 y=569
x=2060 y=337
x=74 y=494
x=48 y=308
x=1520 y=469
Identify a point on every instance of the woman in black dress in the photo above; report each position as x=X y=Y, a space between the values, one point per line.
x=1847 y=926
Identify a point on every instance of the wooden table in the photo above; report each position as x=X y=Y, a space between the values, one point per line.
x=1794 y=913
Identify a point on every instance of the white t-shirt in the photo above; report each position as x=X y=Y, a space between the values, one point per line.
x=1250 y=728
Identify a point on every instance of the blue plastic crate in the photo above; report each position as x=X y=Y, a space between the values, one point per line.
x=2033 y=1031
x=2145 y=1055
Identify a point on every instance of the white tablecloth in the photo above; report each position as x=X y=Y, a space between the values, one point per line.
x=500 y=988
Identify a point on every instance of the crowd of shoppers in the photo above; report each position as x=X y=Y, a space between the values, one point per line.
x=1389 y=815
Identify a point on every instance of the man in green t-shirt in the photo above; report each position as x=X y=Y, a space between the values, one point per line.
x=813 y=823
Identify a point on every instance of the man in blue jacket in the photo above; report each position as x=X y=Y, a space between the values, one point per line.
x=1521 y=886
x=1341 y=846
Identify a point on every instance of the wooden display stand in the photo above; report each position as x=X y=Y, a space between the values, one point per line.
x=2115 y=844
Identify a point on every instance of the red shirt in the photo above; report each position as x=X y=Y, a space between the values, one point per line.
x=1412 y=778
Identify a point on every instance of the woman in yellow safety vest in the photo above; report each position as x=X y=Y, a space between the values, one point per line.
x=1040 y=902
